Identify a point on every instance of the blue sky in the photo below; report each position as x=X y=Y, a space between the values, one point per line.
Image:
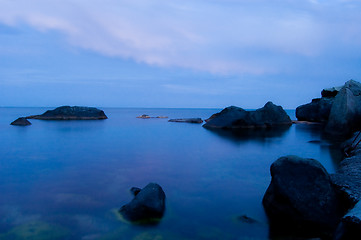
x=176 y=53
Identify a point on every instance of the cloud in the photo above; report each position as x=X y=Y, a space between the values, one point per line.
x=218 y=36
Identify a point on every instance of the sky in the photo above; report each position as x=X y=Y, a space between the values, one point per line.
x=176 y=53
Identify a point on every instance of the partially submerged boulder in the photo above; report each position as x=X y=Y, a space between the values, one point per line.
x=316 y=111
x=233 y=117
x=71 y=113
x=187 y=120
x=148 y=204
x=301 y=197
x=21 y=122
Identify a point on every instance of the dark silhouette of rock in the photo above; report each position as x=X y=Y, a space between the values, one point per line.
x=187 y=120
x=330 y=92
x=71 y=113
x=345 y=115
x=233 y=117
x=144 y=116
x=350 y=225
x=148 y=205
x=316 y=111
x=21 y=122
x=301 y=198
x=135 y=190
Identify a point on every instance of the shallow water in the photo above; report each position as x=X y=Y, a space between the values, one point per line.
x=66 y=179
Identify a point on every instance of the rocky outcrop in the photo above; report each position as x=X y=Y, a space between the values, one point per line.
x=345 y=115
x=330 y=92
x=187 y=120
x=316 y=111
x=233 y=117
x=71 y=113
x=350 y=225
x=148 y=204
x=21 y=122
x=301 y=198
x=145 y=116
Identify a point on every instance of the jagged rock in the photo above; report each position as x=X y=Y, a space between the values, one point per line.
x=187 y=120
x=71 y=113
x=316 y=111
x=350 y=226
x=21 y=122
x=301 y=197
x=233 y=117
x=148 y=204
x=345 y=114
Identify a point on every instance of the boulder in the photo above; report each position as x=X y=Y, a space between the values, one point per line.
x=187 y=120
x=71 y=113
x=301 y=198
x=316 y=111
x=21 y=122
x=233 y=117
x=148 y=204
x=345 y=114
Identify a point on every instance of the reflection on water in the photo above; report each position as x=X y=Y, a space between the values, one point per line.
x=73 y=176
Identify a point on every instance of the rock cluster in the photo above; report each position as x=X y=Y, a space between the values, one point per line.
x=339 y=109
x=233 y=117
x=187 y=120
x=21 y=122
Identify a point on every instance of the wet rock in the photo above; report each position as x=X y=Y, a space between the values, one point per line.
x=21 y=122
x=246 y=219
x=350 y=226
x=148 y=205
x=233 y=117
x=316 y=111
x=301 y=198
x=71 y=113
x=187 y=120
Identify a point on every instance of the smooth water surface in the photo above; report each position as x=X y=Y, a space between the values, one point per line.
x=67 y=179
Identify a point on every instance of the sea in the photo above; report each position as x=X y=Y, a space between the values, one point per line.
x=68 y=179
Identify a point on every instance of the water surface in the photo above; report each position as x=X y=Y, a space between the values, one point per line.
x=68 y=178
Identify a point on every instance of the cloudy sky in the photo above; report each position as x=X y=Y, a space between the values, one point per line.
x=176 y=53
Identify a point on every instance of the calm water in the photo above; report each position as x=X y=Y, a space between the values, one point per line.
x=65 y=180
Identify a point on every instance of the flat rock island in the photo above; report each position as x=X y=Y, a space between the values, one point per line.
x=71 y=113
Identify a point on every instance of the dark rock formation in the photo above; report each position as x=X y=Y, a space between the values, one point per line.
x=350 y=226
x=301 y=198
x=148 y=205
x=187 y=120
x=21 y=122
x=330 y=92
x=71 y=113
x=345 y=115
x=144 y=116
x=233 y=117
x=316 y=111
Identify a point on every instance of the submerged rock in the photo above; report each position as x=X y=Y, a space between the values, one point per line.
x=148 y=204
x=233 y=117
x=21 y=122
x=316 y=111
x=71 y=113
x=187 y=120
x=301 y=198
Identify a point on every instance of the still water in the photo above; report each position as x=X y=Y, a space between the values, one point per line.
x=66 y=179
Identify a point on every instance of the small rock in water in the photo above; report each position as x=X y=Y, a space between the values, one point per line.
x=144 y=116
x=246 y=219
x=187 y=120
x=147 y=206
x=21 y=122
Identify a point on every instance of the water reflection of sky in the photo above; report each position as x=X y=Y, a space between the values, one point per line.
x=74 y=174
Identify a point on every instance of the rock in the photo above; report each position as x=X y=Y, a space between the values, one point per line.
x=147 y=206
x=316 y=111
x=345 y=114
x=301 y=198
x=21 y=122
x=330 y=92
x=135 y=190
x=187 y=120
x=71 y=113
x=144 y=116
x=350 y=226
x=246 y=219
x=233 y=117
